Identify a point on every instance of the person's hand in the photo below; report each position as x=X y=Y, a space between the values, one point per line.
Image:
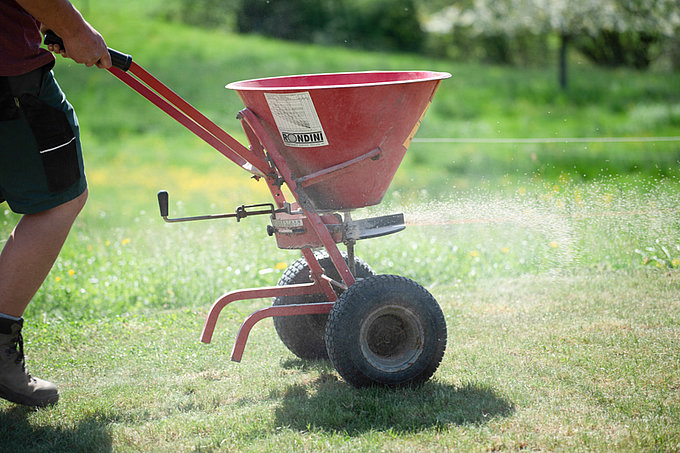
x=86 y=47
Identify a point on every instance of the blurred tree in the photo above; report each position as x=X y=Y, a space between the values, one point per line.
x=636 y=39
x=639 y=21
x=369 y=24
x=296 y=20
x=382 y=24
x=204 y=13
x=612 y=48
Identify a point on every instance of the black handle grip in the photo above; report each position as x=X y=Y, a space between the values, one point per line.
x=163 y=202
x=118 y=59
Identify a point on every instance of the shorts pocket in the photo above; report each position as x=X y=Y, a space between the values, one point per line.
x=56 y=142
x=61 y=166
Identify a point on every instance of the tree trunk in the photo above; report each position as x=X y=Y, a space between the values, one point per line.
x=564 y=41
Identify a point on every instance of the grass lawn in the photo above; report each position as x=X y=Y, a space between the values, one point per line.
x=556 y=266
x=586 y=361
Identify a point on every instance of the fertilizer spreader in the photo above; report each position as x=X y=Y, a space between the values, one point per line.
x=336 y=141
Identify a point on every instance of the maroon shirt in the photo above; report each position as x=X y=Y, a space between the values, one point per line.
x=20 y=40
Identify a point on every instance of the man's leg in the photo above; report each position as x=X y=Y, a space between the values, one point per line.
x=30 y=253
x=25 y=261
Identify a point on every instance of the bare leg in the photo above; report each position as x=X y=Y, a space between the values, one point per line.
x=31 y=251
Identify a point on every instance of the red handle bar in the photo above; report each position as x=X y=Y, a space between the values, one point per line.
x=179 y=109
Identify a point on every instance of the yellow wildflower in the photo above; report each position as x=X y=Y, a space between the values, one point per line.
x=125 y=241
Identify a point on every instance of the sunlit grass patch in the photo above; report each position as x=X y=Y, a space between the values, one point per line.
x=149 y=265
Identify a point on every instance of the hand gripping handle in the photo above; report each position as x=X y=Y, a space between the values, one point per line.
x=118 y=59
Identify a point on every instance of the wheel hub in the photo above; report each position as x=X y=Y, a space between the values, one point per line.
x=391 y=338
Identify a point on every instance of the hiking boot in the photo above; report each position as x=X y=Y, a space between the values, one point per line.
x=16 y=384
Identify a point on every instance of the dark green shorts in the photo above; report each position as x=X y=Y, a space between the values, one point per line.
x=41 y=162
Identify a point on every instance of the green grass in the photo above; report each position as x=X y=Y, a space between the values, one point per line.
x=580 y=362
x=556 y=266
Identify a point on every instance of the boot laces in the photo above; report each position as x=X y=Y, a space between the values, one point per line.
x=17 y=347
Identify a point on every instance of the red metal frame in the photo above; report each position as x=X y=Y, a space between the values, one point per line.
x=307 y=207
x=258 y=293
x=254 y=160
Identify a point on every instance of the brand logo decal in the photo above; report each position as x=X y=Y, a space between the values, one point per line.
x=311 y=138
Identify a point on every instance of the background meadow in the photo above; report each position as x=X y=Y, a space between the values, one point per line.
x=555 y=264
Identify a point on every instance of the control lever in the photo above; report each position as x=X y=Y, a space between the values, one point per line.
x=241 y=212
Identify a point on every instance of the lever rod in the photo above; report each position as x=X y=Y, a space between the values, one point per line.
x=241 y=212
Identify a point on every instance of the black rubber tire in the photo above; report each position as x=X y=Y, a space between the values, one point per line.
x=304 y=335
x=386 y=330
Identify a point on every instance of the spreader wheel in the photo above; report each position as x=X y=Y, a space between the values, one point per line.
x=304 y=335
x=386 y=330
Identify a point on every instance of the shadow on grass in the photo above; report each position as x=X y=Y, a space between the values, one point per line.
x=330 y=404
x=18 y=433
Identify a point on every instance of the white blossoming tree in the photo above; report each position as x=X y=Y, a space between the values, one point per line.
x=566 y=18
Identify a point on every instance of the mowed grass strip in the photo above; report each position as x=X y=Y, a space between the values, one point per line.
x=585 y=361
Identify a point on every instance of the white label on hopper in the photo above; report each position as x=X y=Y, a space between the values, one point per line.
x=296 y=119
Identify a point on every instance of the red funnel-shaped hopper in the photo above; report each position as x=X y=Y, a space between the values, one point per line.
x=342 y=135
